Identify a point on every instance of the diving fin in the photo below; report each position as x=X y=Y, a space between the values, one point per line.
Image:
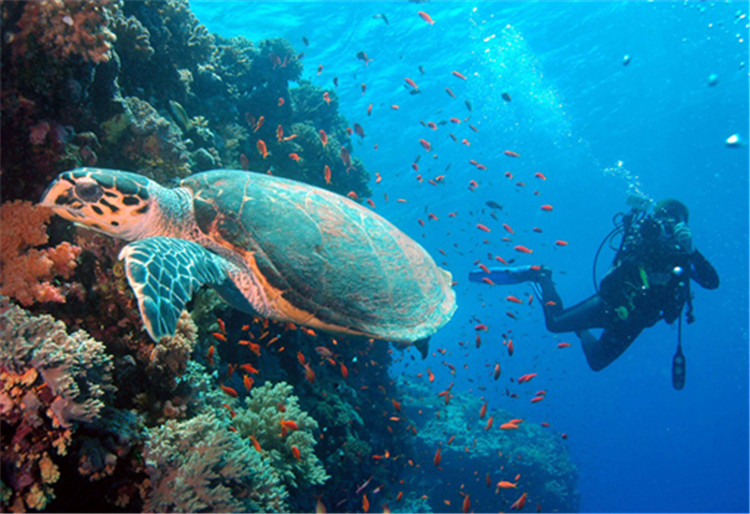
x=508 y=275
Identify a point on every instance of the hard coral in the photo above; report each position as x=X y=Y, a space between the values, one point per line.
x=49 y=383
x=67 y=28
x=25 y=271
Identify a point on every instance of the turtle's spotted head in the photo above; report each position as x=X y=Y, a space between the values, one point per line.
x=110 y=201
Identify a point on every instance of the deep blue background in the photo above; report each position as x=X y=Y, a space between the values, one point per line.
x=576 y=111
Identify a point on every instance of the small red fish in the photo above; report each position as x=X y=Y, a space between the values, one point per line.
x=259 y=124
x=510 y=348
x=509 y=426
x=256 y=444
x=504 y=484
x=219 y=337
x=450 y=92
x=323 y=137
x=437 y=458
x=489 y=423
x=365 y=503
x=484 y=228
x=508 y=228
x=411 y=82
x=327 y=97
x=547 y=208
x=483 y=410
x=458 y=74
x=248 y=382
x=466 y=504
x=540 y=175
x=244 y=162
x=309 y=374
x=537 y=399
x=563 y=345
x=426 y=17
x=519 y=503
x=425 y=144
x=560 y=242
x=327 y=174
x=345 y=158
x=496 y=373
x=511 y=153
x=231 y=392
x=344 y=371
x=210 y=355
x=281 y=101
x=522 y=249
x=261 y=146
x=513 y=299
x=296 y=453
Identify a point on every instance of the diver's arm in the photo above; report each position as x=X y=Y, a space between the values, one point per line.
x=703 y=271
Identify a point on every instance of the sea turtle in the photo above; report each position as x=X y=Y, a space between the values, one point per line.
x=272 y=246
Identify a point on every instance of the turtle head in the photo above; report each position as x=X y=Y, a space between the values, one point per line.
x=114 y=202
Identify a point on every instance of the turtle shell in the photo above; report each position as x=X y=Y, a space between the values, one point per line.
x=321 y=259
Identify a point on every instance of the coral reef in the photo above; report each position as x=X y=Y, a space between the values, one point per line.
x=49 y=383
x=265 y=416
x=199 y=465
x=66 y=29
x=26 y=272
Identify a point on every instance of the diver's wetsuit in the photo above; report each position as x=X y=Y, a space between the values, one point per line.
x=649 y=281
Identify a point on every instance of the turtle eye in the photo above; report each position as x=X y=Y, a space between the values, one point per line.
x=89 y=191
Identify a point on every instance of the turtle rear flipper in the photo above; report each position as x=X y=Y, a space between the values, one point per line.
x=164 y=272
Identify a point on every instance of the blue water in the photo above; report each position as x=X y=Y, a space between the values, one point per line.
x=598 y=130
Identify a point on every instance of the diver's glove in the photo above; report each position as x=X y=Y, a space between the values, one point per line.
x=684 y=237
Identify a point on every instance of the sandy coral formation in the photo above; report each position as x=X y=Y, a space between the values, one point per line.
x=199 y=465
x=49 y=383
x=27 y=272
x=65 y=28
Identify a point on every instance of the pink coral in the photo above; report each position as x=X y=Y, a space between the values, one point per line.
x=64 y=28
x=26 y=271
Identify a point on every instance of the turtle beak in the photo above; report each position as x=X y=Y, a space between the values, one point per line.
x=59 y=197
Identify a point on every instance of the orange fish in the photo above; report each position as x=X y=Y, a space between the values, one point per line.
x=296 y=453
x=327 y=174
x=563 y=345
x=279 y=133
x=504 y=484
x=396 y=405
x=546 y=208
x=301 y=358
x=281 y=101
x=309 y=374
x=411 y=82
x=526 y=378
x=248 y=382
x=466 y=505
x=537 y=399
x=510 y=348
x=210 y=355
x=344 y=371
x=261 y=146
x=219 y=337
x=248 y=368
x=365 y=503
x=540 y=175
x=489 y=423
x=259 y=124
x=522 y=249
x=323 y=137
x=483 y=411
x=458 y=74
x=256 y=444
x=560 y=242
x=455 y=120
x=426 y=17
x=511 y=153
x=430 y=375
x=496 y=373
x=345 y=158
x=369 y=110
x=231 y=392
x=508 y=228
x=400 y=496
x=425 y=144
x=295 y=157
x=514 y=299
x=288 y=424
x=484 y=228
x=327 y=97
x=437 y=458
x=519 y=503
x=509 y=426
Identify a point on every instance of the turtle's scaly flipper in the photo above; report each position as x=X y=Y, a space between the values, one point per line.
x=163 y=273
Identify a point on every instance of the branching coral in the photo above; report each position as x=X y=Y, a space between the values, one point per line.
x=25 y=271
x=262 y=417
x=49 y=382
x=198 y=465
x=67 y=28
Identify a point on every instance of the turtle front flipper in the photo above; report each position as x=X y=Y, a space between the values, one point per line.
x=164 y=273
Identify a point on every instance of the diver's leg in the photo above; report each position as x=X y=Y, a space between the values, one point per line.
x=587 y=314
x=611 y=344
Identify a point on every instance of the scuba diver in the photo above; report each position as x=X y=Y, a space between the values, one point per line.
x=649 y=280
